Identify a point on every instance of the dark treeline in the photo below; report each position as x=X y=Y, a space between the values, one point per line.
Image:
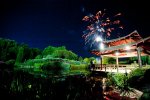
x=12 y=52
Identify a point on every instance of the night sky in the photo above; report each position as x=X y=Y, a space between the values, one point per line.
x=40 y=23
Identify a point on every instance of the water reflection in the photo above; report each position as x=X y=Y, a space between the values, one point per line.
x=24 y=85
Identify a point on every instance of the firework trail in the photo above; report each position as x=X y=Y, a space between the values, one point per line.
x=100 y=25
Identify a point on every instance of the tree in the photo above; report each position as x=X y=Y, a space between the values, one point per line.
x=70 y=55
x=87 y=60
x=80 y=58
x=111 y=60
x=48 y=50
x=34 y=52
x=108 y=60
x=38 y=57
x=20 y=55
x=59 y=54
x=65 y=54
x=8 y=49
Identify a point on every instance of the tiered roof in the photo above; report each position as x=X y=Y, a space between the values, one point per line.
x=133 y=40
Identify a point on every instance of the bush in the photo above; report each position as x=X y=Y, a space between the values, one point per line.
x=75 y=62
x=38 y=64
x=49 y=56
x=10 y=62
x=137 y=72
x=65 y=66
x=145 y=96
x=136 y=77
x=52 y=66
x=77 y=67
x=118 y=79
x=147 y=75
x=29 y=62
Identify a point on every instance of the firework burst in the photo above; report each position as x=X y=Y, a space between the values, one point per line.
x=100 y=25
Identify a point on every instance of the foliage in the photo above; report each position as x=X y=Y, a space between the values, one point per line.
x=147 y=75
x=80 y=58
x=10 y=49
x=74 y=62
x=111 y=60
x=52 y=66
x=135 y=77
x=117 y=79
x=20 y=55
x=145 y=59
x=79 y=67
x=38 y=57
x=87 y=60
x=148 y=60
x=108 y=60
x=65 y=54
x=137 y=72
x=10 y=62
x=34 y=52
x=138 y=76
x=105 y=60
x=29 y=62
x=145 y=96
x=120 y=80
x=49 y=57
x=65 y=66
x=50 y=50
x=92 y=58
x=38 y=64
x=59 y=54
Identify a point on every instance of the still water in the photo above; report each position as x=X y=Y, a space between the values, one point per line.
x=26 y=85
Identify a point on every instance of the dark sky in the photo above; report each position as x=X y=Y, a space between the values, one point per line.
x=40 y=23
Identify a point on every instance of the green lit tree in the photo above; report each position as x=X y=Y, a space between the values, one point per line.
x=20 y=55
x=80 y=58
x=65 y=54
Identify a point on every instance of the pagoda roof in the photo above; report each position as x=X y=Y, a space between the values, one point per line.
x=133 y=40
x=130 y=38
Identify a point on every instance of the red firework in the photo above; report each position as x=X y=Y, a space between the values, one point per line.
x=101 y=24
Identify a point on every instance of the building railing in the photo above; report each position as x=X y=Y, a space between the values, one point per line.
x=114 y=68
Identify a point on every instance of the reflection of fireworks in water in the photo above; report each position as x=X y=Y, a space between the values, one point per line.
x=100 y=25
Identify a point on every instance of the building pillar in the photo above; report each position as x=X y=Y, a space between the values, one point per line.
x=101 y=62
x=139 y=56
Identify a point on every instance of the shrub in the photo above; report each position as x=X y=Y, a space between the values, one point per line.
x=137 y=76
x=10 y=62
x=65 y=66
x=118 y=79
x=77 y=67
x=30 y=62
x=38 y=57
x=137 y=72
x=49 y=56
x=75 y=62
x=145 y=96
x=147 y=75
x=50 y=66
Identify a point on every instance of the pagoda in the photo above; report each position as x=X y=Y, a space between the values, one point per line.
x=130 y=45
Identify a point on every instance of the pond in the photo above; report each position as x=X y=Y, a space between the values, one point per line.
x=24 y=85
